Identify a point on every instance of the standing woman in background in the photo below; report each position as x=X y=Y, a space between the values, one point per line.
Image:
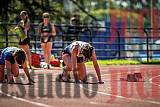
x=24 y=24
x=47 y=32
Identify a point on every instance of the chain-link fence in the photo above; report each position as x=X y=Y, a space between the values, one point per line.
x=110 y=43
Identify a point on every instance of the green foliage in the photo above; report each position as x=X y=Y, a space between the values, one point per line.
x=2 y=38
x=13 y=40
x=86 y=9
x=100 y=13
x=11 y=8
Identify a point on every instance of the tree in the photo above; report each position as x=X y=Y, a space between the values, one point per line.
x=10 y=9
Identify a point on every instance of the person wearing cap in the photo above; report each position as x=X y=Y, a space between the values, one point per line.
x=22 y=30
x=74 y=57
x=12 y=57
x=47 y=32
x=73 y=30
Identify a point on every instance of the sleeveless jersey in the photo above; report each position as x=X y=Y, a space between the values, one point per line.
x=68 y=49
x=44 y=28
x=7 y=54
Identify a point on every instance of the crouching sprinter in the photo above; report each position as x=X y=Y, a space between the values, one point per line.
x=12 y=57
x=74 y=57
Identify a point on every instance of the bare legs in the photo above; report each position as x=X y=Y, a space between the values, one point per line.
x=47 y=47
x=80 y=67
x=27 y=50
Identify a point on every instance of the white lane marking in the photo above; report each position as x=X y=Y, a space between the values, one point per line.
x=132 y=99
x=25 y=100
x=96 y=103
x=44 y=105
x=150 y=80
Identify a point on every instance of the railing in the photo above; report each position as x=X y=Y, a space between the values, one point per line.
x=109 y=43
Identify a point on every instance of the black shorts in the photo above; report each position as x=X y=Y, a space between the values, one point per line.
x=1 y=63
x=79 y=59
x=45 y=39
x=24 y=42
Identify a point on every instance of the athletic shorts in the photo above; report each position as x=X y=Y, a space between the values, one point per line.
x=79 y=59
x=24 y=42
x=1 y=62
x=45 y=39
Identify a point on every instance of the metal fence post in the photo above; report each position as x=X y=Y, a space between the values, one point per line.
x=147 y=41
x=90 y=36
x=6 y=35
x=119 y=47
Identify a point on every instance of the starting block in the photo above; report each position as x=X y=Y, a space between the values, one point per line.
x=136 y=77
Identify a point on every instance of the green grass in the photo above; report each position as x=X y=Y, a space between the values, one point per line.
x=151 y=62
x=123 y=62
x=115 y=62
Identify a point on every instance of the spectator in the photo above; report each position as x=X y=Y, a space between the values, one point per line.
x=73 y=30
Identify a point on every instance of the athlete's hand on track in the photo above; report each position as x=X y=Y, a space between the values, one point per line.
x=100 y=82
x=31 y=81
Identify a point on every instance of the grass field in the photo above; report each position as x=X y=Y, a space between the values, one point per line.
x=123 y=62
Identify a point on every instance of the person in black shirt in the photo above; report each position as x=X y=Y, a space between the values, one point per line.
x=47 y=32
x=73 y=30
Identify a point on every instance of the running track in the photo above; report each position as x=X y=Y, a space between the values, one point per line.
x=46 y=92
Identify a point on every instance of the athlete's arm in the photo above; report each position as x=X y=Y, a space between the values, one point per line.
x=74 y=62
x=39 y=29
x=96 y=66
x=25 y=68
x=53 y=30
x=27 y=24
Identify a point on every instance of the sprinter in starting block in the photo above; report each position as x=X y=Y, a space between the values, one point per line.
x=12 y=57
x=74 y=57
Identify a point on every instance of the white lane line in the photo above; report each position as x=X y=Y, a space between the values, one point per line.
x=44 y=105
x=150 y=80
x=25 y=100
x=96 y=103
x=118 y=96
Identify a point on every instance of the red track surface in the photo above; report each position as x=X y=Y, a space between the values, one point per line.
x=113 y=93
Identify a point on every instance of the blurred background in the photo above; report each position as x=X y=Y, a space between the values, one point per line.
x=118 y=29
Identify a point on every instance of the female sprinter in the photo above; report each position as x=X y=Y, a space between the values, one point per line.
x=24 y=24
x=47 y=32
x=74 y=57
x=11 y=57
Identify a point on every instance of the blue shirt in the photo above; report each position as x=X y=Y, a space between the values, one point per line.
x=7 y=54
